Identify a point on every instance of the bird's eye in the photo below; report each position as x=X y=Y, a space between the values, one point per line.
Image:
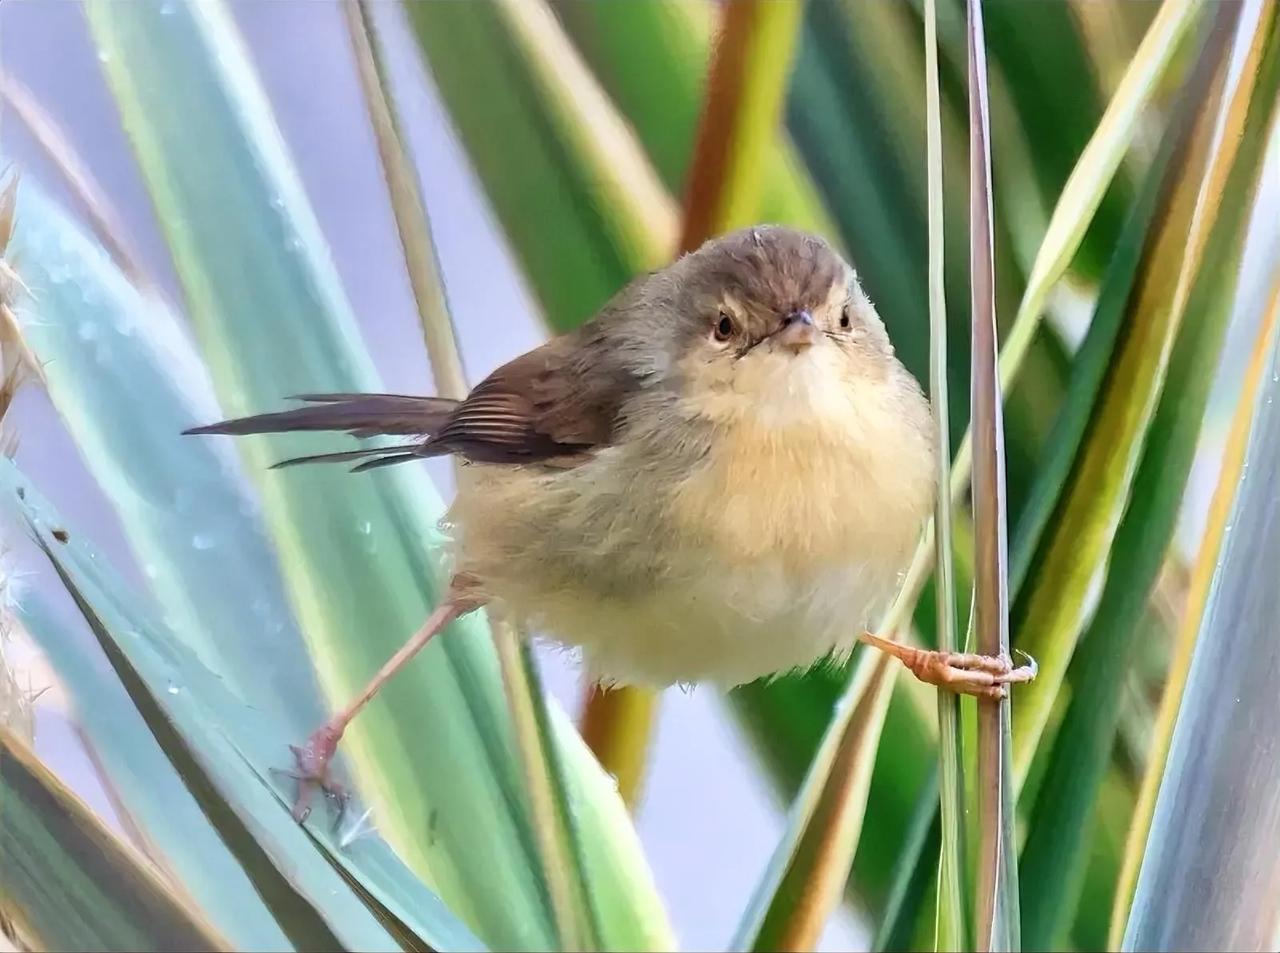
x=845 y=321
x=724 y=327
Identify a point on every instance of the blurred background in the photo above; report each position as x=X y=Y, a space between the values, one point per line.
x=711 y=808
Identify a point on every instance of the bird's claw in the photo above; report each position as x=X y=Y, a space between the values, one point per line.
x=985 y=676
x=312 y=762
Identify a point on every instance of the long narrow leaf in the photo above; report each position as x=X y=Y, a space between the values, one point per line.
x=620 y=42
x=109 y=347
x=68 y=884
x=574 y=192
x=94 y=203
x=421 y=261
x=1217 y=809
x=809 y=868
x=222 y=749
x=1055 y=854
x=1217 y=526
x=1088 y=183
x=126 y=381
x=169 y=819
x=1061 y=602
x=996 y=910
x=952 y=931
x=746 y=88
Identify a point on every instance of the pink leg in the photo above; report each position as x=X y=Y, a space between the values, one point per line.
x=314 y=755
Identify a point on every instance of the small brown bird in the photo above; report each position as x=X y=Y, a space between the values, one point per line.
x=720 y=477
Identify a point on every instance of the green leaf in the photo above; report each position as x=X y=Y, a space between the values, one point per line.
x=810 y=866
x=126 y=381
x=68 y=884
x=746 y=87
x=223 y=749
x=621 y=41
x=1216 y=524
x=1216 y=809
x=1089 y=181
x=952 y=921
x=1072 y=564
x=360 y=554
x=580 y=203
x=1219 y=524
x=1055 y=854
x=421 y=261
x=1090 y=363
x=175 y=830
x=1040 y=55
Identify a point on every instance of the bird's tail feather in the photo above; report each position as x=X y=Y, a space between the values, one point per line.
x=361 y=415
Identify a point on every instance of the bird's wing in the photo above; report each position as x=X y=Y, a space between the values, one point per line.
x=553 y=405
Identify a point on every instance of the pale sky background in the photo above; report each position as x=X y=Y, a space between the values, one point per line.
x=708 y=821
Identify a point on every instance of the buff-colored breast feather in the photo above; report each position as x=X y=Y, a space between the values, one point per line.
x=784 y=537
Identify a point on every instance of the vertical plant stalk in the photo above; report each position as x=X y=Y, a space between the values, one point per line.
x=570 y=905
x=745 y=91
x=421 y=261
x=1216 y=524
x=951 y=933
x=552 y=822
x=996 y=911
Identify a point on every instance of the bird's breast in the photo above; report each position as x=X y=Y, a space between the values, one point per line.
x=812 y=495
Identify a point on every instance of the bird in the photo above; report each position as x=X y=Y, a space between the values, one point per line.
x=720 y=477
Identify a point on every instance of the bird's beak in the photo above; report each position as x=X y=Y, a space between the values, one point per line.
x=797 y=331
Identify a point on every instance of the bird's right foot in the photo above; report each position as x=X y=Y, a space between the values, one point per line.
x=965 y=673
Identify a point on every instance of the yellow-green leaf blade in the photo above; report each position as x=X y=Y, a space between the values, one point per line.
x=1073 y=566
x=1217 y=525
x=67 y=883
x=1217 y=807
x=809 y=868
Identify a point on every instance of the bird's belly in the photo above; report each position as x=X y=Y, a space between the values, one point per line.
x=722 y=625
x=761 y=557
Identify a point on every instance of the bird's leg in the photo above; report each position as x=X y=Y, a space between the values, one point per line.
x=313 y=756
x=983 y=675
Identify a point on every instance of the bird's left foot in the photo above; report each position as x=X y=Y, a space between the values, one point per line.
x=982 y=675
x=312 y=774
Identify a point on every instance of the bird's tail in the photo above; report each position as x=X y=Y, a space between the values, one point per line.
x=361 y=415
